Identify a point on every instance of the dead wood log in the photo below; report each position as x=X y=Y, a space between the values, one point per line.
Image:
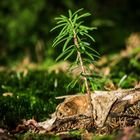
x=103 y=103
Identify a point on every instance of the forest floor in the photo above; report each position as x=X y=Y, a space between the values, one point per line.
x=28 y=91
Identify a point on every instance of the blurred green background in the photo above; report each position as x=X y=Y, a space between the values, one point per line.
x=26 y=40
x=25 y=26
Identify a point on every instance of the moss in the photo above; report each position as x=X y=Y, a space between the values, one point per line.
x=32 y=95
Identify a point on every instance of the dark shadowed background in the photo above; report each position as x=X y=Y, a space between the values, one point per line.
x=25 y=26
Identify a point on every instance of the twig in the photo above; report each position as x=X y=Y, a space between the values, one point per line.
x=84 y=73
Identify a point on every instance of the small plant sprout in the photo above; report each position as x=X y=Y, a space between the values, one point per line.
x=75 y=36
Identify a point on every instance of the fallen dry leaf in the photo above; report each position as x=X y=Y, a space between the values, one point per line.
x=7 y=94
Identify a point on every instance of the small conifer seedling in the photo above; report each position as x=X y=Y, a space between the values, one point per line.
x=74 y=36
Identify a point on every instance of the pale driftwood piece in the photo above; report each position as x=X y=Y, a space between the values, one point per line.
x=102 y=102
x=68 y=96
x=102 y=105
x=105 y=103
x=48 y=124
x=123 y=98
x=119 y=93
